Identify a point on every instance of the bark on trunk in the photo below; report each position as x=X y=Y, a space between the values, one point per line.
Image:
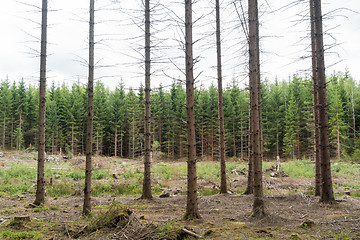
x=326 y=194
x=315 y=102
x=254 y=84
x=90 y=115
x=191 y=203
x=146 y=194
x=223 y=185
x=40 y=183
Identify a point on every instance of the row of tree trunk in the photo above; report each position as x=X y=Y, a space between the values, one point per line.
x=321 y=142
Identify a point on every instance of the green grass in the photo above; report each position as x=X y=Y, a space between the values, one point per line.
x=172 y=171
x=133 y=174
x=20 y=178
x=60 y=189
x=15 y=187
x=20 y=235
x=345 y=169
x=19 y=172
x=76 y=175
x=298 y=168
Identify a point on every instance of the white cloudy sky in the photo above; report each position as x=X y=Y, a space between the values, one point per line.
x=119 y=48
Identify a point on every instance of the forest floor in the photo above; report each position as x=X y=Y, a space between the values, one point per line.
x=292 y=213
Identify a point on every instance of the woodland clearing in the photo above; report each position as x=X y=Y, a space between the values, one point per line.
x=293 y=211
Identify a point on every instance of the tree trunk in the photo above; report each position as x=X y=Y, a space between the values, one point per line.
x=326 y=194
x=255 y=107
x=90 y=115
x=250 y=178
x=40 y=183
x=146 y=194
x=223 y=185
x=315 y=103
x=191 y=203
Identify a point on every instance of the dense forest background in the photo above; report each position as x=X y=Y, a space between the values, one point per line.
x=119 y=118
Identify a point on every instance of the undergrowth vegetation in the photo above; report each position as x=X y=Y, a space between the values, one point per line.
x=63 y=179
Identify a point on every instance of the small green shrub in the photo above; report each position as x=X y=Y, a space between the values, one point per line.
x=117 y=215
x=208 y=192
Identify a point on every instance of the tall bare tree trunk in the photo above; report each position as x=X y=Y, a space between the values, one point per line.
x=90 y=115
x=255 y=107
x=326 y=194
x=315 y=102
x=223 y=185
x=191 y=203
x=146 y=194
x=40 y=182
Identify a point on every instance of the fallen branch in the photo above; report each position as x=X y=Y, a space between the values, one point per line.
x=191 y=233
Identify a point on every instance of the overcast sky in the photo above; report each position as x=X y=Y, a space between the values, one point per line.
x=284 y=45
